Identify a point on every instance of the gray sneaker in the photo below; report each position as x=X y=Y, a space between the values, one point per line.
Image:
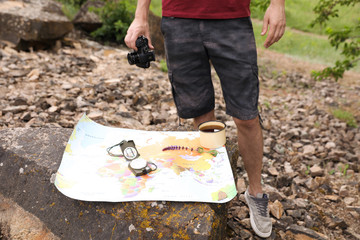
x=259 y=215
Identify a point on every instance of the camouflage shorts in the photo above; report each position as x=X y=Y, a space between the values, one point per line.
x=230 y=46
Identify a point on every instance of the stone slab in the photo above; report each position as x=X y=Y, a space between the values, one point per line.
x=29 y=159
x=32 y=21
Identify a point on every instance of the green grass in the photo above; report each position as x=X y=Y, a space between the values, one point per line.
x=69 y=8
x=155 y=7
x=299 y=15
x=69 y=11
x=163 y=65
x=306 y=47
x=345 y=116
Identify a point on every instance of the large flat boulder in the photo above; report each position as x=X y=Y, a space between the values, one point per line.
x=32 y=21
x=29 y=159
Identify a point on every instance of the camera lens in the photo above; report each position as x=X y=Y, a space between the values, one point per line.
x=132 y=58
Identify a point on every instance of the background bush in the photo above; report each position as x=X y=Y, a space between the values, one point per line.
x=71 y=7
x=116 y=17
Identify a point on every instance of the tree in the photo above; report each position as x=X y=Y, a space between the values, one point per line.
x=346 y=39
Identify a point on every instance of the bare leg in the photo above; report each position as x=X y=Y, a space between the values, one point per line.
x=250 y=142
x=203 y=118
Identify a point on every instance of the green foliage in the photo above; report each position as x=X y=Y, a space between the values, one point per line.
x=71 y=7
x=345 y=169
x=343 y=32
x=155 y=7
x=261 y=5
x=76 y=3
x=163 y=65
x=267 y=104
x=69 y=10
x=346 y=117
x=116 y=17
x=347 y=39
x=326 y=9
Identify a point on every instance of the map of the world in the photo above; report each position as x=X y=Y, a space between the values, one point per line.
x=185 y=171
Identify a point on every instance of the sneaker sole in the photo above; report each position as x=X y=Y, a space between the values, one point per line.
x=252 y=222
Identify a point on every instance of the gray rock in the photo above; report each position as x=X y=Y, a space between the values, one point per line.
x=87 y=20
x=95 y=115
x=26 y=23
x=245 y=234
x=146 y=117
x=31 y=166
x=335 y=222
x=344 y=192
x=309 y=150
x=15 y=109
x=279 y=149
x=330 y=145
x=246 y=223
x=309 y=222
x=291 y=134
x=240 y=185
x=242 y=213
x=316 y=171
x=276 y=209
x=283 y=181
x=300 y=232
x=297 y=213
x=273 y=171
x=288 y=168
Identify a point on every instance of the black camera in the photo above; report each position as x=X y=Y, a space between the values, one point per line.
x=143 y=56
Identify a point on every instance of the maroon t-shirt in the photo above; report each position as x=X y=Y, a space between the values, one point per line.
x=206 y=9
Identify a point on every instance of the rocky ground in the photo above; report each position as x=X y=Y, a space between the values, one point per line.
x=311 y=160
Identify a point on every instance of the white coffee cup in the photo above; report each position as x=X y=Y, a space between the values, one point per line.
x=212 y=134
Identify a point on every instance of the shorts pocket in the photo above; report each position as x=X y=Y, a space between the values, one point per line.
x=173 y=90
x=162 y=26
x=165 y=21
x=255 y=97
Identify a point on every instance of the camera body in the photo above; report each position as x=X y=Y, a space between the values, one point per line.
x=143 y=56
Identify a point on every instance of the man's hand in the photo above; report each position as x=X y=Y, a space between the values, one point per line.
x=136 y=29
x=274 y=22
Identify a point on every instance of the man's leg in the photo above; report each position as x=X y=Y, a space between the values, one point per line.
x=203 y=118
x=233 y=56
x=250 y=142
